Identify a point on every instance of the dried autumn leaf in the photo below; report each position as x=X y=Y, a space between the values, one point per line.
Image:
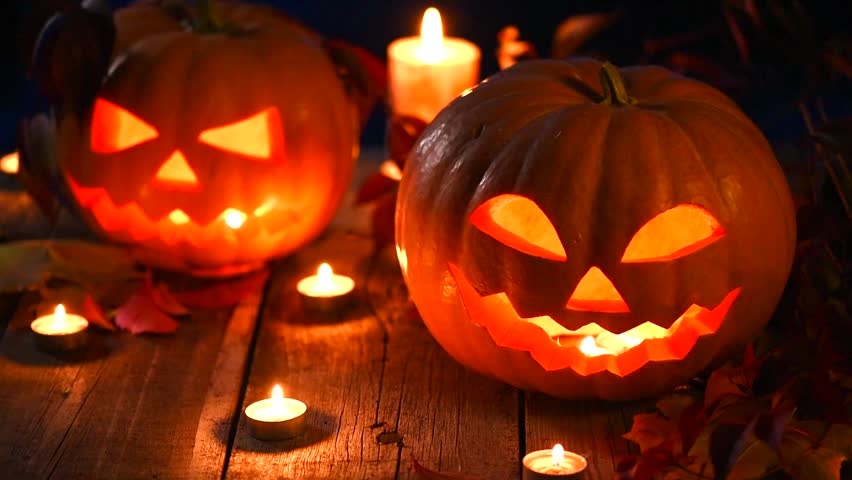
x=651 y=430
x=224 y=293
x=424 y=473
x=511 y=49
x=362 y=73
x=726 y=381
x=140 y=314
x=403 y=132
x=164 y=299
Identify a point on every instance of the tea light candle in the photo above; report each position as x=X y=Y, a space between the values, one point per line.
x=276 y=418
x=425 y=73
x=553 y=463
x=325 y=291
x=60 y=331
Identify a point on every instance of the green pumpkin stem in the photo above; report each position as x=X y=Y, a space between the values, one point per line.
x=207 y=20
x=612 y=83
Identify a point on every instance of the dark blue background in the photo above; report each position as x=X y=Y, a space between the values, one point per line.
x=373 y=24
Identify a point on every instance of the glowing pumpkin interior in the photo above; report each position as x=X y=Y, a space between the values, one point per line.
x=114 y=129
x=519 y=223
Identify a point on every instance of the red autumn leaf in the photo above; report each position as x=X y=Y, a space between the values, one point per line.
x=650 y=430
x=653 y=461
x=362 y=73
x=424 y=473
x=224 y=293
x=374 y=186
x=139 y=314
x=403 y=133
x=164 y=299
x=727 y=381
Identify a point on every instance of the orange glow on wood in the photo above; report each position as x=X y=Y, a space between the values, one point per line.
x=253 y=137
x=115 y=129
x=518 y=222
x=590 y=349
x=596 y=293
x=672 y=234
x=176 y=174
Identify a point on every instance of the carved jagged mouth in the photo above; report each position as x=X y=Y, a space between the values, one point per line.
x=555 y=347
x=130 y=221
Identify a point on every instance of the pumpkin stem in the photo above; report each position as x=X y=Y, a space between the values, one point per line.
x=612 y=83
x=207 y=20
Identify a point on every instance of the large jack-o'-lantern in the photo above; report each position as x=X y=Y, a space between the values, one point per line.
x=212 y=151
x=583 y=231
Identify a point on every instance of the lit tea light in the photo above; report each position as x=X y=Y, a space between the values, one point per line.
x=10 y=163
x=325 y=291
x=60 y=331
x=426 y=73
x=553 y=463
x=276 y=417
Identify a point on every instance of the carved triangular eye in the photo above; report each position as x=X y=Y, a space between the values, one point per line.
x=115 y=129
x=258 y=136
x=518 y=222
x=677 y=232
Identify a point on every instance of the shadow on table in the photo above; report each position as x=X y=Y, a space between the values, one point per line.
x=20 y=347
x=319 y=426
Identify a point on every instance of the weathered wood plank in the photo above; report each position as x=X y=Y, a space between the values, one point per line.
x=334 y=365
x=592 y=428
x=133 y=408
x=379 y=389
x=449 y=418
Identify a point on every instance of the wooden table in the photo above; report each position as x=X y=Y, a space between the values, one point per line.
x=381 y=393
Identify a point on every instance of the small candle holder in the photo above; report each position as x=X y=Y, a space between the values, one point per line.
x=60 y=331
x=553 y=463
x=276 y=418
x=326 y=291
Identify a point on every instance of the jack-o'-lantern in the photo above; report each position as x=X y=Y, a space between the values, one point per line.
x=585 y=231
x=212 y=150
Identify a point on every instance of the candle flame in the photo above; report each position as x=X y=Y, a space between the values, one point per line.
x=324 y=277
x=234 y=218
x=277 y=393
x=432 y=37
x=59 y=314
x=557 y=454
x=588 y=346
x=9 y=163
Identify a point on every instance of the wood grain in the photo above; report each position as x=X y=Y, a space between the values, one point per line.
x=379 y=389
x=592 y=428
x=130 y=408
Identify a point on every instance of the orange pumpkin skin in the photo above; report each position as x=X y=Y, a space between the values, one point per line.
x=282 y=156
x=598 y=172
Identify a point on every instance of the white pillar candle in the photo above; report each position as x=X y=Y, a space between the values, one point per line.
x=426 y=73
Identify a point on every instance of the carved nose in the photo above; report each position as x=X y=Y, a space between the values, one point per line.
x=176 y=174
x=596 y=293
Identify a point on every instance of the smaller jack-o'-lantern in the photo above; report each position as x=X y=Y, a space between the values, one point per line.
x=211 y=150
x=583 y=231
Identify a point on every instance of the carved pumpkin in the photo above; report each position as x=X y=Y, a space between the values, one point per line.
x=583 y=231
x=212 y=151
